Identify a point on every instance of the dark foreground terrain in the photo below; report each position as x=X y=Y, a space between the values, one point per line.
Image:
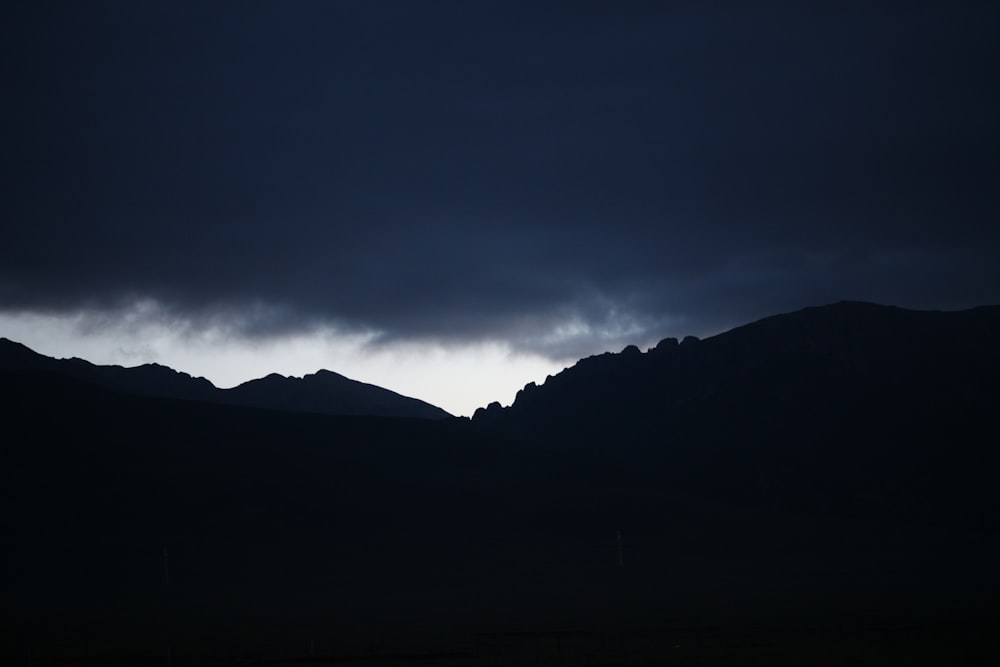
x=703 y=645
x=816 y=488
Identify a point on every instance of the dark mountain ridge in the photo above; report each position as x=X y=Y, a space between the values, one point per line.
x=323 y=392
x=845 y=343
x=833 y=466
x=327 y=392
x=867 y=409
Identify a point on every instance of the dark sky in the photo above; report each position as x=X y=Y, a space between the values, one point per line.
x=473 y=170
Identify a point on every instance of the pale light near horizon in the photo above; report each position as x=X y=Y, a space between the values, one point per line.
x=458 y=378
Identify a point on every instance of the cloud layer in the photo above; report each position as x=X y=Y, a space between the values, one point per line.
x=560 y=179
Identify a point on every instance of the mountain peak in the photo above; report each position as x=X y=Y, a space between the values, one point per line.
x=323 y=392
x=326 y=375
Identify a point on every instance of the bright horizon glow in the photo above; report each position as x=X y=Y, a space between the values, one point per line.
x=458 y=378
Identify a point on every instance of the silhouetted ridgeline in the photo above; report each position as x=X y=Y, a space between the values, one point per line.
x=850 y=407
x=324 y=392
x=834 y=466
x=844 y=353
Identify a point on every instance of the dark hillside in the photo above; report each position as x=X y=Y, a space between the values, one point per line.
x=854 y=408
x=323 y=392
x=820 y=472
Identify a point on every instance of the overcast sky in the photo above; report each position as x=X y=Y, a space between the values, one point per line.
x=454 y=198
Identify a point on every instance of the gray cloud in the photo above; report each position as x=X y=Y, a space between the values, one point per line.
x=566 y=177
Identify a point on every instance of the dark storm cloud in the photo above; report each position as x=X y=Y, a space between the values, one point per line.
x=459 y=170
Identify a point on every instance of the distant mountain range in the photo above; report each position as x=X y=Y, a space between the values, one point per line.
x=323 y=392
x=835 y=466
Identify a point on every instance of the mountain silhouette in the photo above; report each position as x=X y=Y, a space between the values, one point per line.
x=327 y=392
x=853 y=406
x=817 y=487
x=843 y=350
x=324 y=392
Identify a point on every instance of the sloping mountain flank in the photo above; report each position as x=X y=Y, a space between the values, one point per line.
x=876 y=408
x=323 y=392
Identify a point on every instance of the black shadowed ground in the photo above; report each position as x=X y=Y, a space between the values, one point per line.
x=812 y=488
